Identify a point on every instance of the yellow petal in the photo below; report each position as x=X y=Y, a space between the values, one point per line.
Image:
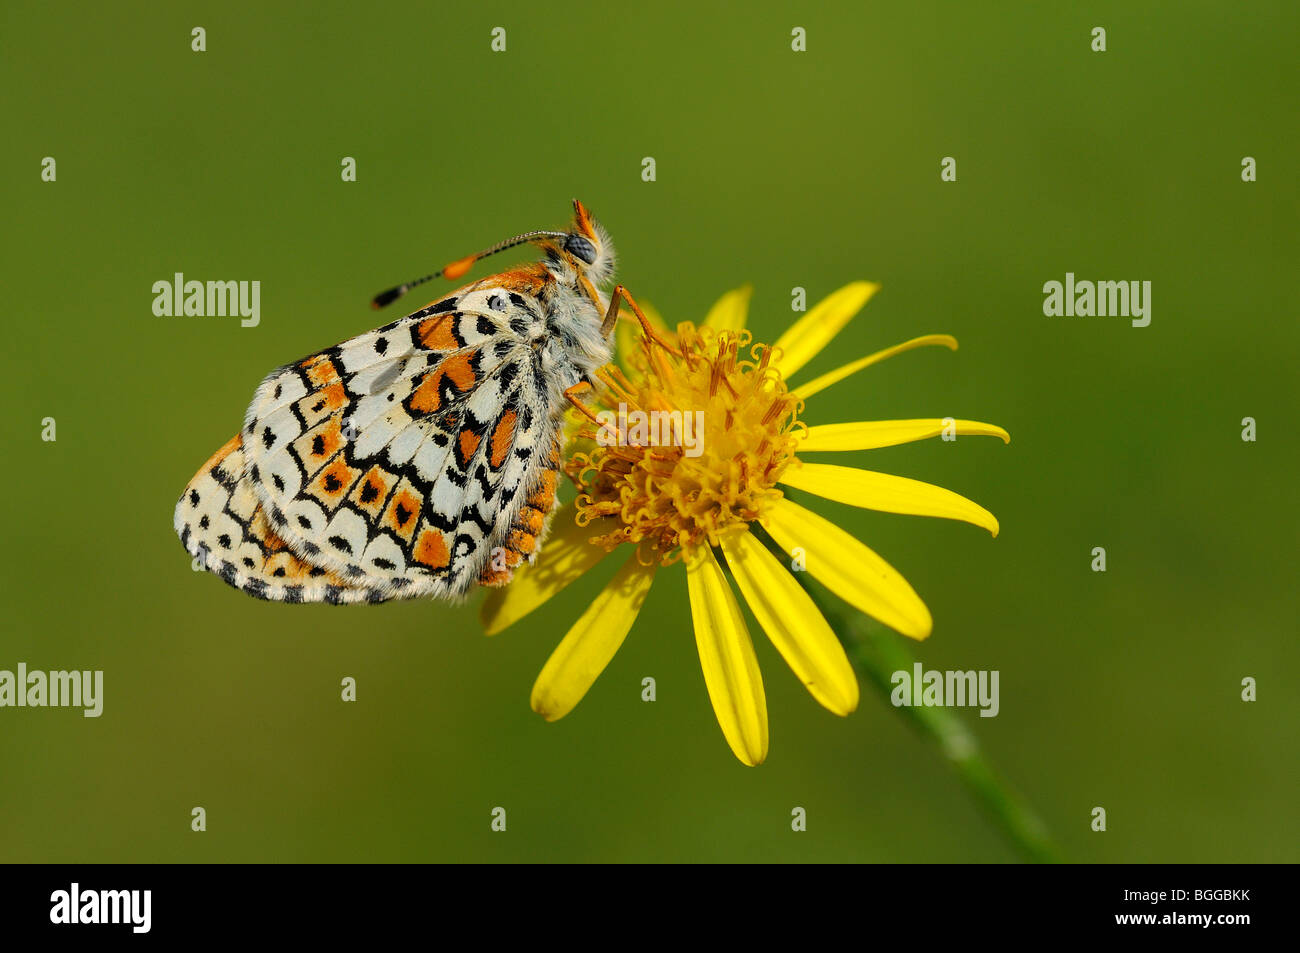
x=728 y=314
x=627 y=332
x=833 y=377
x=807 y=336
x=886 y=492
x=849 y=569
x=588 y=647
x=728 y=660
x=793 y=623
x=871 y=434
x=565 y=556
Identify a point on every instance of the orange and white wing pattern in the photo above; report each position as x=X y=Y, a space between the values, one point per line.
x=224 y=527
x=409 y=461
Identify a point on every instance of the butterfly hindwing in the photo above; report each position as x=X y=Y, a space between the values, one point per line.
x=224 y=527
x=522 y=538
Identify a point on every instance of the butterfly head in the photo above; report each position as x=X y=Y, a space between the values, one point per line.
x=589 y=246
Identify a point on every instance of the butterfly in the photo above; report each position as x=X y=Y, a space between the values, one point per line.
x=420 y=458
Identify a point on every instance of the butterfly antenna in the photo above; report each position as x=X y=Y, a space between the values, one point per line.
x=458 y=267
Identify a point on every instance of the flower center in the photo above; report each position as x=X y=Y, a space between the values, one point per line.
x=688 y=446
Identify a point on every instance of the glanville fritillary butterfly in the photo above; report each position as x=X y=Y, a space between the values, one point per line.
x=422 y=457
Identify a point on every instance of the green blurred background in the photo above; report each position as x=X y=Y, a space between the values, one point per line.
x=785 y=169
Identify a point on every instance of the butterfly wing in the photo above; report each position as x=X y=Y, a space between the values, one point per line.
x=225 y=528
x=522 y=539
x=401 y=458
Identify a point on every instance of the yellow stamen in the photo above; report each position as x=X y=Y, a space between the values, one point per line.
x=677 y=494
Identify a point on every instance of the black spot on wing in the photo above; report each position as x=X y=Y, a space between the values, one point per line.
x=470 y=514
x=485 y=484
x=522 y=303
x=224 y=479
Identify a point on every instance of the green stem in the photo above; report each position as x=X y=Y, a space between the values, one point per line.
x=877 y=653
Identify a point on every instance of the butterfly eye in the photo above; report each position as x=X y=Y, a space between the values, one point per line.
x=579 y=247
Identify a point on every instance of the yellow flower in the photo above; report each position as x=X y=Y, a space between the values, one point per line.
x=680 y=500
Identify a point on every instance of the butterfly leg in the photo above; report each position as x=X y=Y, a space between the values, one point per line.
x=571 y=395
x=612 y=315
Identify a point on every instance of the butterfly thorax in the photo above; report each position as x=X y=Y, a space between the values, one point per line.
x=558 y=318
